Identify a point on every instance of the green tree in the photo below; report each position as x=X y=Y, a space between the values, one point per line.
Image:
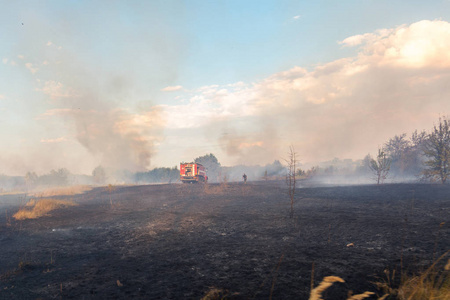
x=406 y=155
x=31 y=178
x=212 y=165
x=60 y=177
x=437 y=150
x=381 y=166
x=99 y=175
x=397 y=149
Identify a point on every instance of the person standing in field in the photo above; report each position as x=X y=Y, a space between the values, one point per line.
x=245 y=178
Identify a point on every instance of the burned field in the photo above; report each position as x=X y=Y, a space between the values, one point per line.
x=181 y=241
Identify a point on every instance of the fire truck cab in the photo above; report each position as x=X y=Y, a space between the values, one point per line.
x=192 y=173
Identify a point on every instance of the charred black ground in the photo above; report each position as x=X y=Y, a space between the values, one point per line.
x=178 y=241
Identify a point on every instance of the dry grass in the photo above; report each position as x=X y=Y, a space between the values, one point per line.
x=215 y=189
x=430 y=284
x=218 y=294
x=37 y=208
x=417 y=288
x=61 y=191
x=316 y=293
x=15 y=192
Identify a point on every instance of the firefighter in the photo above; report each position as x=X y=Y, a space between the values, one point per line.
x=245 y=178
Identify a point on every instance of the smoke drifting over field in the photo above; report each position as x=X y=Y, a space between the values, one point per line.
x=112 y=85
x=89 y=109
x=347 y=108
x=116 y=137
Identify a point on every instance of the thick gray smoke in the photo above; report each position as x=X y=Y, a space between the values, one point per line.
x=107 y=131
x=95 y=88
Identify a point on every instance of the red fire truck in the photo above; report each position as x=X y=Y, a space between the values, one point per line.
x=192 y=172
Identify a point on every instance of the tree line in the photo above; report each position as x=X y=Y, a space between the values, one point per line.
x=421 y=156
x=427 y=156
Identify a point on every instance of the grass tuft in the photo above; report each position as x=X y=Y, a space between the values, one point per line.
x=217 y=294
x=361 y=296
x=316 y=293
x=430 y=284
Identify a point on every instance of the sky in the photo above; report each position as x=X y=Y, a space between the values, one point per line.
x=142 y=84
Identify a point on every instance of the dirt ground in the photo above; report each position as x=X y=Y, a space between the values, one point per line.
x=180 y=241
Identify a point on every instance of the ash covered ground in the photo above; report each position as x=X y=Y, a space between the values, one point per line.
x=179 y=241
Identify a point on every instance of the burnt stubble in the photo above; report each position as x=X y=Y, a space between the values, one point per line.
x=179 y=241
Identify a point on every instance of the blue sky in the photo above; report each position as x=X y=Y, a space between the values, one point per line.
x=83 y=83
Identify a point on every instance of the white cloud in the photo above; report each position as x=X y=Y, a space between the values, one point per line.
x=398 y=82
x=422 y=44
x=356 y=40
x=4 y=61
x=58 y=112
x=2 y=96
x=172 y=88
x=52 y=141
x=51 y=44
x=31 y=68
x=143 y=124
x=20 y=56
x=55 y=90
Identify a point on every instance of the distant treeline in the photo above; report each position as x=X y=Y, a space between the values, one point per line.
x=158 y=175
x=418 y=157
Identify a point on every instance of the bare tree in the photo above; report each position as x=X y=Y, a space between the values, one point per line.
x=381 y=166
x=437 y=149
x=290 y=176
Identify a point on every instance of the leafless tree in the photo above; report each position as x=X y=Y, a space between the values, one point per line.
x=290 y=176
x=380 y=166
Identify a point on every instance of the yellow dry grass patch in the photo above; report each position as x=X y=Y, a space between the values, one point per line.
x=218 y=294
x=61 y=191
x=417 y=288
x=37 y=208
x=428 y=285
x=316 y=293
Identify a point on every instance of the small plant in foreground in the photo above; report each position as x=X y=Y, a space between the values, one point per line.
x=316 y=293
x=217 y=294
x=8 y=219
x=110 y=188
x=290 y=176
x=381 y=166
x=430 y=284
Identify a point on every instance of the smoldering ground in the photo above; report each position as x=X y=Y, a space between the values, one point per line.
x=179 y=241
